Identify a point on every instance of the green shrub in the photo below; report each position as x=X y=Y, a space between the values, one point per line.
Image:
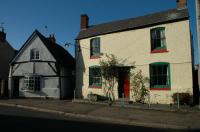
x=184 y=98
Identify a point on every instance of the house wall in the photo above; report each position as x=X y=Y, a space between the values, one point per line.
x=50 y=85
x=6 y=54
x=135 y=46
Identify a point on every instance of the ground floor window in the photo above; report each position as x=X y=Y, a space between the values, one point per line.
x=160 y=75
x=32 y=83
x=95 y=79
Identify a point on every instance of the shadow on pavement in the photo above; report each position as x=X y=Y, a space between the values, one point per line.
x=28 y=124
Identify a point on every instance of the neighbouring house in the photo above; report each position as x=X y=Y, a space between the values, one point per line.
x=42 y=68
x=158 y=43
x=7 y=52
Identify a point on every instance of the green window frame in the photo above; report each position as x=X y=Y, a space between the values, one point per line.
x=158 y=39
x=160 y=75
x=95 y=47
x=95 y=78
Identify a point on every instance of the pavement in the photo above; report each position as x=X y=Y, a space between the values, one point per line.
x=155 y=116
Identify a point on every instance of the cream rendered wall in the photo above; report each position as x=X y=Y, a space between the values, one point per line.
x=135 y=46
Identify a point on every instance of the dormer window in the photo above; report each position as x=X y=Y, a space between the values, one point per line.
x=35 y=54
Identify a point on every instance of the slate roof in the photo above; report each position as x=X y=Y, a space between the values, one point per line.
x=59 y=53
x=134 y=23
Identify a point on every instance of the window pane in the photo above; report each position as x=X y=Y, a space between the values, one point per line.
x=164 y=69
x=154 y=71
x=158 y=34
x=162 y=43
x=164 y=80
x=158 y=43
x=32 y=55
x=162 y=38
x=159 y=80
x=159 y=70
x=162 y=33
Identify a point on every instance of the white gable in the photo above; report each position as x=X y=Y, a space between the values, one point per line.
x=34 y=43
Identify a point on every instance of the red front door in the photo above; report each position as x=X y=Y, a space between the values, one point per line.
x=126 y=86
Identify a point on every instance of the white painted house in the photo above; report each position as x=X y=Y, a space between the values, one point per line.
x=42 y=68
x=158 y=43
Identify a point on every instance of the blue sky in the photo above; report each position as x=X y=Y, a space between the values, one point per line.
x=62 y=17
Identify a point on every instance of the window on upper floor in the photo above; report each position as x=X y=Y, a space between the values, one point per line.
x=160 y=75
x=95 y=47
x=35 y=54
x=158 y=40
x=32 y=83
x=95 y=79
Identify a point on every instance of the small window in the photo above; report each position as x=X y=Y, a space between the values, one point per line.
x=158 y=40
x=32 y=83
x=95 y=77
x=35 y=54
x=95 y=47
x=160 y=75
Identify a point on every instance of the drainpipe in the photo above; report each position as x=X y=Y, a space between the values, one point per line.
x=75 y=73
x=198 y=40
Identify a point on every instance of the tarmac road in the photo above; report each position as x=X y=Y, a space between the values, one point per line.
x=19 y=119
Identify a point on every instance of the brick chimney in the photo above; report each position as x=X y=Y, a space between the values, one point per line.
x=181 y=4
x=52 y=38
x=84 y=21
x=2 y=35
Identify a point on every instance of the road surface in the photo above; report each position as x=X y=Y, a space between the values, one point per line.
x=18 y=119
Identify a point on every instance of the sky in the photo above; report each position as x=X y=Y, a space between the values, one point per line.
x=62 y=17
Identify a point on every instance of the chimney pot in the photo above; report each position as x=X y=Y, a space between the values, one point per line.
x=52 y=38
x=84 y=21
x=181 y=4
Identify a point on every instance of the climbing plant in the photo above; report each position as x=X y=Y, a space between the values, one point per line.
x=138 y=86
x=110 y=69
